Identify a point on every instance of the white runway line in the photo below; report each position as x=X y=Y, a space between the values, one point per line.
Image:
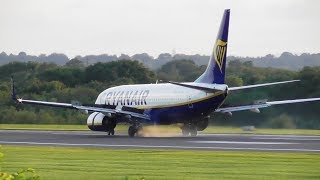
x=264 y=135
x=44 y=131
x=90 y=132
x=288 y=138
x=80 y=134
x=239 y=142
x=149 y=146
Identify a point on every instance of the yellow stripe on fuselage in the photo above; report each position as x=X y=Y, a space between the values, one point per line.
x=181 y=104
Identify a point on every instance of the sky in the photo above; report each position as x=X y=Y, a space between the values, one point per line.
x=82 y=27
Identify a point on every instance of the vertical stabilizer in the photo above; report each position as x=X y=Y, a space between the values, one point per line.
x=215 y=72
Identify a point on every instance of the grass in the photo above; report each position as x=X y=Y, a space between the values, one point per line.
x=86 y=163
x=123 y=129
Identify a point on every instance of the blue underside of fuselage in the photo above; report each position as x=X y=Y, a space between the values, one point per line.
x=184 y=113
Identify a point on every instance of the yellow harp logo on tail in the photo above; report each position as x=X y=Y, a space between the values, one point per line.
x=219 y=52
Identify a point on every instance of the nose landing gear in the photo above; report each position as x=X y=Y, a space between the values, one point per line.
x=110 y=124
x=111 y=132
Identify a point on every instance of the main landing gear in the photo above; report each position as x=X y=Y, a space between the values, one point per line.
x=134 y=129
x=189 y=130
x=192 y=127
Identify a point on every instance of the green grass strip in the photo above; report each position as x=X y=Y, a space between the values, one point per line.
x=123 y=129
x=89 y=163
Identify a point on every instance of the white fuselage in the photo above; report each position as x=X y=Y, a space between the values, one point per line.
x=148 y=96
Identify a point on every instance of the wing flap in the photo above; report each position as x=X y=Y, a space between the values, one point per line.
x=263 y=105
x=293 y=101
x=241 y=108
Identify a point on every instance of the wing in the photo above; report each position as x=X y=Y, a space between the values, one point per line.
x=257 y=106
x=120 y=110
x=260 y=85
x=105 y=109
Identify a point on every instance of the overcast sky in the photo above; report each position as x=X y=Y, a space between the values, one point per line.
x=81 y=27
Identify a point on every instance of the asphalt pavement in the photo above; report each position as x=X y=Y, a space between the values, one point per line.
x=209 y=142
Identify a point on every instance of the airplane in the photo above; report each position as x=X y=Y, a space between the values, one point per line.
x=189 y=103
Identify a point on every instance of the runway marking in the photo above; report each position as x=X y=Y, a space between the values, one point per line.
x=80 y=134
x=264 y=135
x=287 y=138
x=239 y=142
x=89 y=132
x=171 y=147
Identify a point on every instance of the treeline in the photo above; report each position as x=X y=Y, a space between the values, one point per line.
x=75 y=81
x=286 y=60
x=50 y=82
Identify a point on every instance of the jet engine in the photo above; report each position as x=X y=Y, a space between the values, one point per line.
x=100 y=122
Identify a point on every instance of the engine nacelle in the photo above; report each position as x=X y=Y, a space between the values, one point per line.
x=97 y=122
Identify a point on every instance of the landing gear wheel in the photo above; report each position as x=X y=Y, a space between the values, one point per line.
x=132 y=131
x=189 y=130
x=185 y=131
x=193 y=132
x=111 y=132
x=109 y=124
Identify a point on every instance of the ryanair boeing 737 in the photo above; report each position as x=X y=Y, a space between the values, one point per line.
x=167 y=103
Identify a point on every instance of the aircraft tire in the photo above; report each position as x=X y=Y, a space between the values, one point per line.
x=132 y=131
x=189 y=130
x=185 y=131
x=193 y=132
x=112 y=132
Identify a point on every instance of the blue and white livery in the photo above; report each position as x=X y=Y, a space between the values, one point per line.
x=167 y=103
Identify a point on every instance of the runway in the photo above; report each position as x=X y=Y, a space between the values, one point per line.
x=212 y=142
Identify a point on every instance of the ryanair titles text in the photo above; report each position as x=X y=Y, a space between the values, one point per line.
x=137 y=97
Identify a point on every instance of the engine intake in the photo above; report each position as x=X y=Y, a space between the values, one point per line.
x=97 y=122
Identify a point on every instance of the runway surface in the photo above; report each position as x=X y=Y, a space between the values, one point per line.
x=216 y=142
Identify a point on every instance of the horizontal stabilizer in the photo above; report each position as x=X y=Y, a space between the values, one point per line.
x=202 y=88
x=260 y=85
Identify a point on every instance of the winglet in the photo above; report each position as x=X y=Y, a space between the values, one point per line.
x=13 y=90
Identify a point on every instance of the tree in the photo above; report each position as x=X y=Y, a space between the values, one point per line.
x=109 y=72
x=234 y=81
x=180 y=70
x=75 y=63
x=68 y=76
